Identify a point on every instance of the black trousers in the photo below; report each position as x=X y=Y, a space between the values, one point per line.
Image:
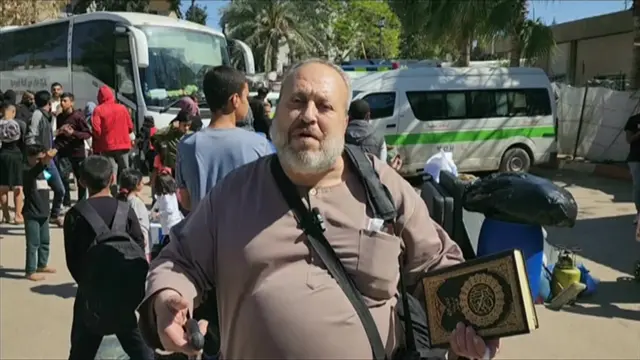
x=85 y=343
x=72 y=164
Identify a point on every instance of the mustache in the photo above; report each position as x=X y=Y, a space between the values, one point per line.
x=302 y=128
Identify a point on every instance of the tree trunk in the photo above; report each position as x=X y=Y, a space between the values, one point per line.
x=516 y=51
x=464 y=47
x=275 y=50
x=635 y=76
x=521 y=11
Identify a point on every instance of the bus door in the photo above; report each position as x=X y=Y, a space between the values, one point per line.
x=125 y=81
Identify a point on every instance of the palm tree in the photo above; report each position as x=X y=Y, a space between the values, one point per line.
x=530 y=39
x=265 y=25
x=457 y=22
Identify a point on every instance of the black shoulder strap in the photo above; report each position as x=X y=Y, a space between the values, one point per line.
x=120 y=219
x=323 y=249
x=93 y=218
x=379 y=200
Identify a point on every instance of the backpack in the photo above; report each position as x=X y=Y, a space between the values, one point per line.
x=114 y=281
x=9 y=131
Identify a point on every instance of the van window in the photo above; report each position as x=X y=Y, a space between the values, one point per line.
x=538 y=102
x=381 y=104
x=478 y=104
x=437 y=105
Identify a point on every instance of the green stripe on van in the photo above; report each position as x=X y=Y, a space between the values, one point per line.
x=466 y=136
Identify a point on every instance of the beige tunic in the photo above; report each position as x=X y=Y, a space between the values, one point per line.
x=275 y=299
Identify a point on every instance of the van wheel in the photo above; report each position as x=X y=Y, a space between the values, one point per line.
x=515 y=159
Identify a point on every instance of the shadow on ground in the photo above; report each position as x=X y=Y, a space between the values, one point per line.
x=620 y=190
x=65 y=291
x=610 y=294
x=9 y=273
x=11 y=230
x=608 y=241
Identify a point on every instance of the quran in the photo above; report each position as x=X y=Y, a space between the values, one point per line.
x=490 y=293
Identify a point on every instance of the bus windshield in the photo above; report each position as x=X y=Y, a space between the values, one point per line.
x=178 y=60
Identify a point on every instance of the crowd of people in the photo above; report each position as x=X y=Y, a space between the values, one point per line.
x=231 y=254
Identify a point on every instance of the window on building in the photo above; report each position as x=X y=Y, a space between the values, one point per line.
x=381 y=104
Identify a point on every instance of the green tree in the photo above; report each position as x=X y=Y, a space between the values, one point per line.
x=530 y=39
x=110 y=5
x=196 y=13
x=174 y=5
x=463 y=22
x=266 y=25
x=458 y=22
x=350 y=28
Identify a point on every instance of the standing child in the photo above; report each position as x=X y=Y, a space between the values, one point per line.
x=166 y=204
x=131 y=186
x=36 y=212
x=104 y=247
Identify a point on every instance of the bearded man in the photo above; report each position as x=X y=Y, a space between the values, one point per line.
x=275 y=297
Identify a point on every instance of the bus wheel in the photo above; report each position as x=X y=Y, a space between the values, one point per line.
x=515 y=159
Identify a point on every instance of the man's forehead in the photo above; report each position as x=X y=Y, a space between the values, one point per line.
x=312 y=78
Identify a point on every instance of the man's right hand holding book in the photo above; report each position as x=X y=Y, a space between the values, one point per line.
x=465 y=343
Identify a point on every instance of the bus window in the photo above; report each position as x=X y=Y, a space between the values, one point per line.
x=35 y=48
x=92 y=45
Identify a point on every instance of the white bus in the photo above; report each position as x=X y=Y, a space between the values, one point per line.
x=150 y=61
x=490 y=118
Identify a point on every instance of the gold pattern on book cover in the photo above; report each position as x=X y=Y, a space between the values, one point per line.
x=482 y=299
x=486 y=295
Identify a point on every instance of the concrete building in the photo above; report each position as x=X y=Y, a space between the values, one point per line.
x=596 y=48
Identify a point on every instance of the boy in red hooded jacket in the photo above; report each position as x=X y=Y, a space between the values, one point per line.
x=111 y=124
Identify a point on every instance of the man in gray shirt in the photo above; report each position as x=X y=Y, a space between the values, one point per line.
x=207 y=156
x=40 y=131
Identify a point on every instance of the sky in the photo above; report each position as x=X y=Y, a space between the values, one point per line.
x=560 y=10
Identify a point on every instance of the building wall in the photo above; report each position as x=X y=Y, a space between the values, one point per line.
x=604 y=56
x=586 y=48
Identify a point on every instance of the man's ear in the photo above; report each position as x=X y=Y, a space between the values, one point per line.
x=234 y=101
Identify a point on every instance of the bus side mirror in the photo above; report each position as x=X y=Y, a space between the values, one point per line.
x=141 y=46
x=242 y=49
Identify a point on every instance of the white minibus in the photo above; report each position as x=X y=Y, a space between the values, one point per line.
x=490 y=118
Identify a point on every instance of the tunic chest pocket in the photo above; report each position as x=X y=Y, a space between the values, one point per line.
x=378 y=266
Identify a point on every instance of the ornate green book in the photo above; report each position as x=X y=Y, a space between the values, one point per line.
x=490 y=293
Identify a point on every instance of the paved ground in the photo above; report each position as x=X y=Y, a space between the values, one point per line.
x=36 y=317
